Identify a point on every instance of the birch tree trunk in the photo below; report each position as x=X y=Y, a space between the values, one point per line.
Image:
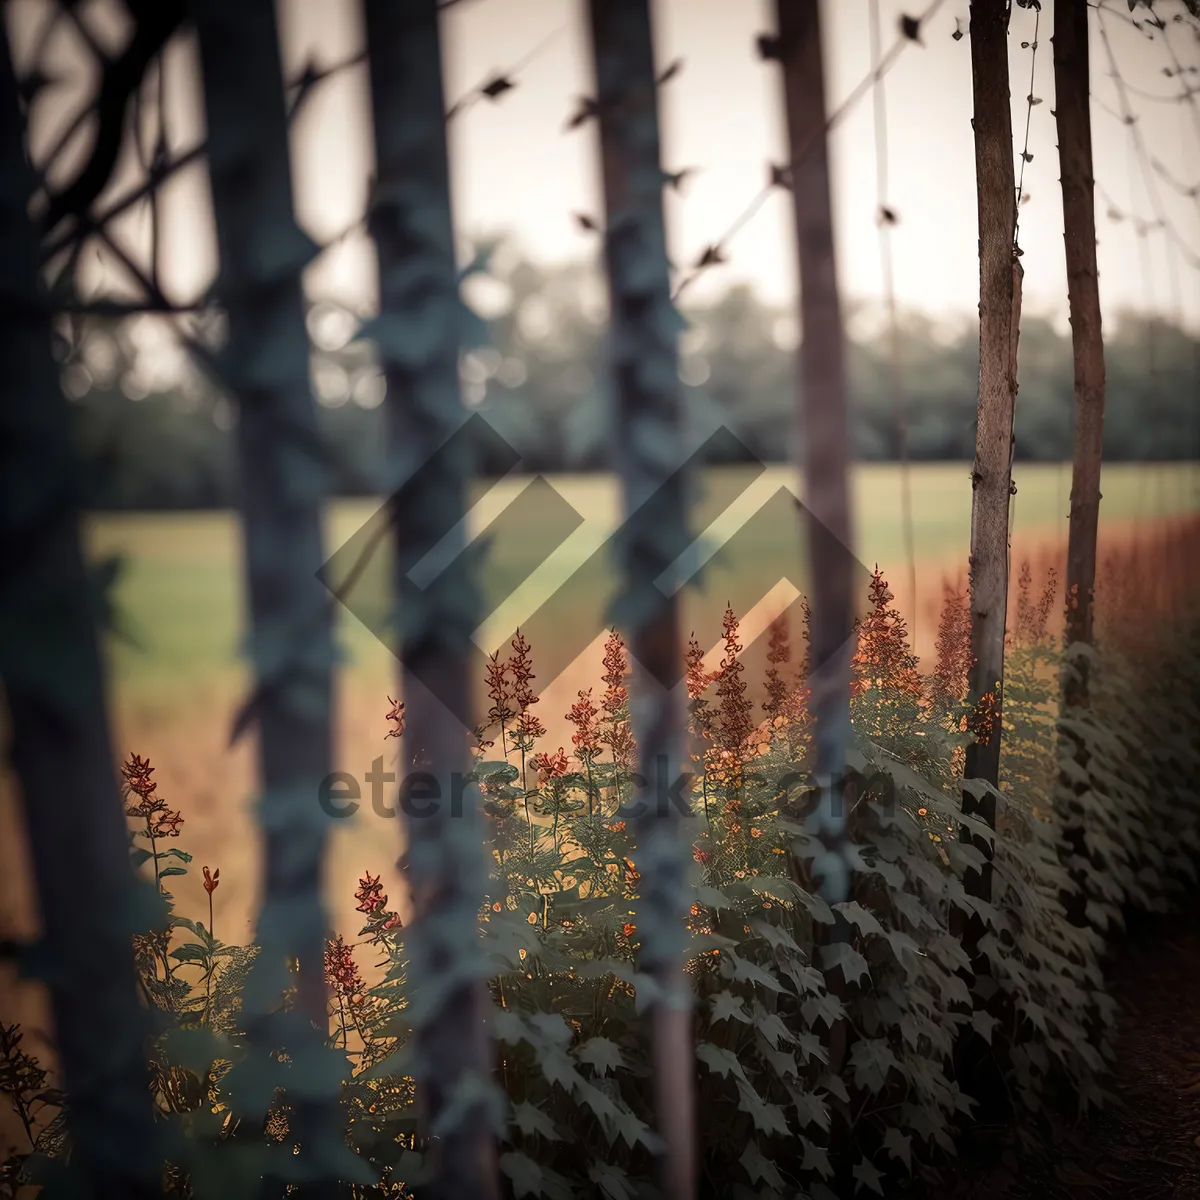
x=265 y=368
x=419 y=333
x=991 y=477
x=649 y=458
x=58 y=723
x=1073 y=115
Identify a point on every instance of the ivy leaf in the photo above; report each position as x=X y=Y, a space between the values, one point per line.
x=871 y=1060
x=602 y=1055
x=768 y=1118
x=723 y=1062
x=526 y=1175
x=859 y=916
x=531 y=1121
x=843 y=955
x=611 y=1181
x=984 y=1023
x=745 y=971
x=866 y=1174
x=899 y=1145
x=725 y=1005
x=816 y=1158
x=761 y=1169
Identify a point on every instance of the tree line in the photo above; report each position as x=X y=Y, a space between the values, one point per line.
x=153 y=440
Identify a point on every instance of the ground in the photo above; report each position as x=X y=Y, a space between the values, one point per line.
x=1145 y=1145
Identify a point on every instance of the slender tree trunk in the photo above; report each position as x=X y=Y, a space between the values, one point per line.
x=649 y=459
x=991 y=477
x=823 y=426
x=58 y=723
x=265 y=368
x=419 y=334
x=1073 y=115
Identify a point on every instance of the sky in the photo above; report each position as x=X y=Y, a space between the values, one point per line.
x=515 y=170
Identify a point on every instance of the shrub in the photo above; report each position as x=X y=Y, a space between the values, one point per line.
x=776 y=1112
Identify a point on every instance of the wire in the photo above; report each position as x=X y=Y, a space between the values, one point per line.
x=885 y=218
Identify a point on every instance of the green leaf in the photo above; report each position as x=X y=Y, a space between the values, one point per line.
x=531 y=1121
x=725 y=1005
x=871 y=1060
x=854 y=912
x=191 y=952
x=172 y=871
x=525 y=1174
x=745 y=971
x=768 y=1118
x=866 y=1174
x=816 y=1158
x=899 y=1145
x=723 y=1062
x=843 y=955
x=761 y=1169
x=603 y=1056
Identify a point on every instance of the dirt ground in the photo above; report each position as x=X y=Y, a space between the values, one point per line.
x=1145 y=1145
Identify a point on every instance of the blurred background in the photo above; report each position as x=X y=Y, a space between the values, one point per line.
x=157 y=436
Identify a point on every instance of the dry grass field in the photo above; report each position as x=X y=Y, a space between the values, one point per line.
x=175 y=689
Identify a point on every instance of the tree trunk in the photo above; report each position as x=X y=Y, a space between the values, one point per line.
x=649 y=458
x=823 y=423
x=1073 y=115
x=265 y=368
x=61 y=754
x=991 y=477
x=419 y=334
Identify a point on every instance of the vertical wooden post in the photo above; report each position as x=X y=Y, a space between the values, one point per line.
x=824 y=423
x=58 y=722
x=419 y=334
x=283 y=486
x=991 y=476
x=1073 y=117
x=648 y=455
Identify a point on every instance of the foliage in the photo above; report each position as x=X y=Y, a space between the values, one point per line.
x=560 y=934
x=155 y=434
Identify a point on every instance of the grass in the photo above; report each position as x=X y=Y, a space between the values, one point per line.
x=180 y=593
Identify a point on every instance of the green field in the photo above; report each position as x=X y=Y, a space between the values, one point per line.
x=180 y=594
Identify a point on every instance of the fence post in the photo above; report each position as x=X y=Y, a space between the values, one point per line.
x=648 y=452
x=823 y=428
x=1000 y=276
x=419 y=334
x=60 y=740
x=1073 y=117
x=283 y=483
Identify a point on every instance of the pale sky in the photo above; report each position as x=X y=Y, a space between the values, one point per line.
x=515 y=170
